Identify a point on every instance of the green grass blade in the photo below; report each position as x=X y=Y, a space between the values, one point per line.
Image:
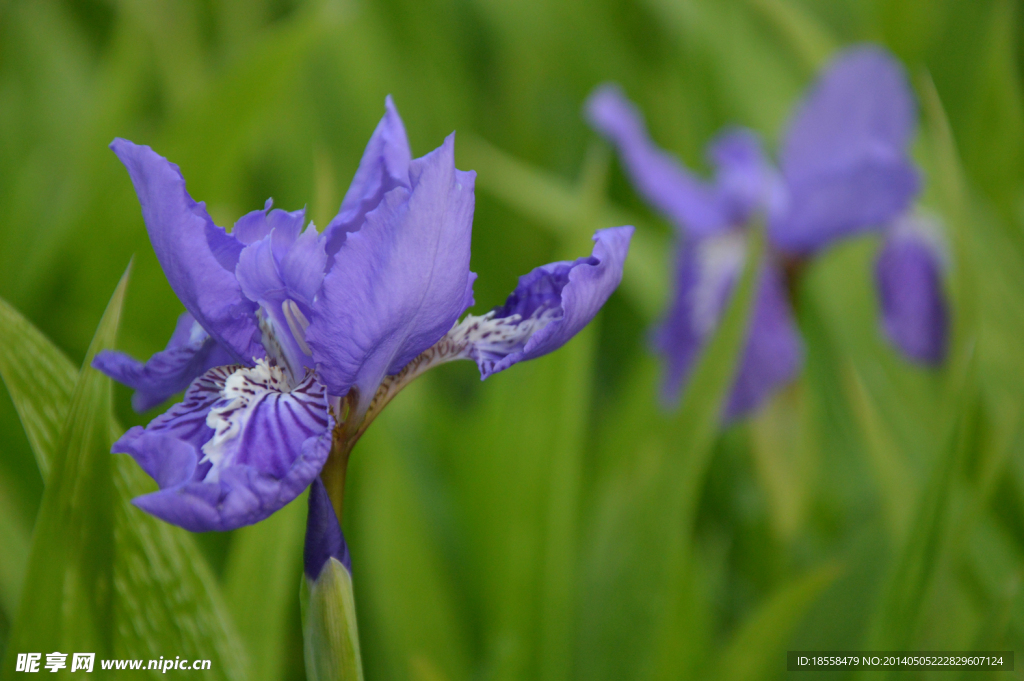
x=166 y=600
x=895 y=482
x=399 y=572
x=808 y=39
x=66 y=603
x=573 y=402
x=693 y=431
x=916 y=562
x=40 y=379
x=15 y=537
x=164 y=597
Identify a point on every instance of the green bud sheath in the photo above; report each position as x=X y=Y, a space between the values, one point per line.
x=329 y=630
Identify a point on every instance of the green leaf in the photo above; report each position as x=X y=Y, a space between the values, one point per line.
x=164 y=596
x=67 y=599
x=692 y=434
x=15 y=537
x=756 y=648
x=572 y=402
x=40 y=379
x=897 y=486
x=900 y=609
x=994 y=154
x=786 y=450
x=808 y=39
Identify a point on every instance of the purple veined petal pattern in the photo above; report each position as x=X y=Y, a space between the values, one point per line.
x=689 y=203
x=237 y=449
x=706 y=272
x=399 y=283
x=197 y=256
x=845 y=156
x=184 y=423
x=384 y=166
x=908 y=275
x=550 y=305
x=189 y=353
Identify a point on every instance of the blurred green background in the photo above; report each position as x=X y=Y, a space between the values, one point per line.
x=553 y=522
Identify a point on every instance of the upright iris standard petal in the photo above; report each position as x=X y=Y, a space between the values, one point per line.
x=400 y=282
x=845 y=156
x=239 y=447
x=189 y=353
x=197 y=256
x=384 y=166
x=324 y=539
x=282 y=272
x=908 y=273
x=691 y=204
x=550 y=305
x=707 y=272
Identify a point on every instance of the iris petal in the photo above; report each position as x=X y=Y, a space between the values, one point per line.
x=237 y=449
x=908 y=274
x=400 y=282
x=189 y=353
x=706 y=273
x=197 y=256
x=689 y=203
x=324 y=539
x=384 y=166
x=550 y=305
x=845 y=159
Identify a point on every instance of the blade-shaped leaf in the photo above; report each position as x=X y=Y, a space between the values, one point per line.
x=166 y=600
x=164 y=596
x=691 y=436
x=66 y=602
x=15 y=536
x=576 y=366
x=398 y=568
x=900 y=608
x=40 y=379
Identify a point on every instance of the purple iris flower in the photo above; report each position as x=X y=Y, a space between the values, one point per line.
x=293 y=335
x=844 y=169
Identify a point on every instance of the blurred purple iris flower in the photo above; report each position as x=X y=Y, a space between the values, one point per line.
x=290 y=332
x=844 y=169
